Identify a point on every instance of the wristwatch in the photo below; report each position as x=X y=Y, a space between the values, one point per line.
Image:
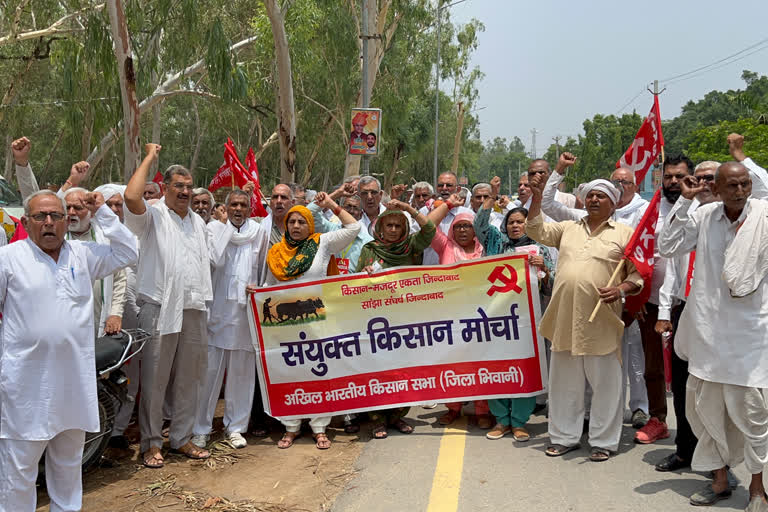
x=623 y=296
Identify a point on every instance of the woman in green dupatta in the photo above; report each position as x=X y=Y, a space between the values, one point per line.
x=394 y=246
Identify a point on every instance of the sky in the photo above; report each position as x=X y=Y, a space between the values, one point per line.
x=550 y=64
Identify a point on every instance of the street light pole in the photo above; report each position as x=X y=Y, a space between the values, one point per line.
x=437 y=87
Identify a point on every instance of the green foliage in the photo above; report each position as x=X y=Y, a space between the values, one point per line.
x=709 y=143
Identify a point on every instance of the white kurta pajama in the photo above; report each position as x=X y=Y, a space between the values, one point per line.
x=173 y=285
x=238 y=258
x=48 y=396
x=723 y=338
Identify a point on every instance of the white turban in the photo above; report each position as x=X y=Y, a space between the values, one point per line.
x=605 y=186
x=110 y=189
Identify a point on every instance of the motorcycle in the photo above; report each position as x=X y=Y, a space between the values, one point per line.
x=112 y=352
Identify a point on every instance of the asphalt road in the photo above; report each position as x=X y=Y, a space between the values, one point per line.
x=458 y=469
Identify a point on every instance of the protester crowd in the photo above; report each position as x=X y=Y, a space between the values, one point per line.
x=173 y=262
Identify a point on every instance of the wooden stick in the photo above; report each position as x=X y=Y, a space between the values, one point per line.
x=610 y=283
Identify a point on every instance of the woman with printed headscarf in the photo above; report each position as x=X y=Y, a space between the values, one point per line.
x=394 y=246
x=303 y=255
x=459 y=244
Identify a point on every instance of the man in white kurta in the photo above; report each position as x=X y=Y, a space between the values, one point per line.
x=173 y=285
x=723 y=330
x=48 y=397
x=238 y=254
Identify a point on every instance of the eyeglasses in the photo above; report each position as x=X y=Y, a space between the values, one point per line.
x=462 y=227
x=705 y=177
x=181 y=187
x=620 y=183
x=445 y=185
x=41 y=216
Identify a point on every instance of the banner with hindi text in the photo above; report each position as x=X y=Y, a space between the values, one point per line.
x=401 y=337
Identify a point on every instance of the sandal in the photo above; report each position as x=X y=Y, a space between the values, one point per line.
x=379 y=431
x=287 y=440
x=520 y=434
x=191 y=451
x=449 y=417
x=153 y=458
x=599 y=454
x=321 y=441
x=556 y=450
x=403 y=427
x=498 y=431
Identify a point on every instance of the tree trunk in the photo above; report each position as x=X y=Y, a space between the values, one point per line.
x=85 y=140
x=316 y=152
x=156 y=130
x=286 y=115
x=457 y=140
x=198 y=144
x=389 y=178
x=131 y=116
x=9 y=167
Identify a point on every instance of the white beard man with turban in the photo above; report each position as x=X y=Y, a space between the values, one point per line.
x=590 y=249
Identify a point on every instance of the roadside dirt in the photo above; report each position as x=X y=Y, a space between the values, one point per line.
x=258 y=478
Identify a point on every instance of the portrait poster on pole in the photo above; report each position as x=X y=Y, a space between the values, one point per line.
x=366 y=129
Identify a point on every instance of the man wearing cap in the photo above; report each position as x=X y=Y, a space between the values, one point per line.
x=583 y=351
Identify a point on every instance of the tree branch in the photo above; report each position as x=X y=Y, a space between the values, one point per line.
x=56 y=28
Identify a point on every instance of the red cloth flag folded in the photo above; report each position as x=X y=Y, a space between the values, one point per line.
x=159 y=179
x=647 y=145
x=257 y=208
x=640 y=250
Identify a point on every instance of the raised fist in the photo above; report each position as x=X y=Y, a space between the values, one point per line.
x=21 y=148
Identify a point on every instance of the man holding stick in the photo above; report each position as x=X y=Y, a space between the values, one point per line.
x=591 y=250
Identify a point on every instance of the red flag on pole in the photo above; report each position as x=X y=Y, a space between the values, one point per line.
x=647 y=145
x=257 y=209
x=640 y=251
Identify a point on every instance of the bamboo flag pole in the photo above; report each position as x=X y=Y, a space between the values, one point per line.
x=610 y=283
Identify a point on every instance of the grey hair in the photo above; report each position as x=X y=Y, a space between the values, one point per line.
x=235 y=192
x=344 y=199
x=73 y=190
x=481 y=185
x=350 y=179
x=44 y=192
x=154 y=185
x=365 y=180
x=175 y=170
x=424 y=184
x=296 y=188
x=707 y=164
x=200 y=190
x=449 y=173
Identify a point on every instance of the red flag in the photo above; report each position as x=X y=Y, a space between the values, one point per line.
x=159 y=180
x=233 y=173
x=647 y=145
x=640 y=250
x=257 y=209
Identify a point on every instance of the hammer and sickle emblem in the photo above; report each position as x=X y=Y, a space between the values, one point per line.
x=507 y=279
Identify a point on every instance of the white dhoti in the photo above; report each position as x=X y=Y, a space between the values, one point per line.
x=240 y=366
x=568 y=377
x=731 y=423
x=634 y=368
x=63 y=473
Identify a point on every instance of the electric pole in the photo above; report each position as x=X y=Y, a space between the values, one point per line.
x=366 y=93
x=533 y=143
x=557 y=138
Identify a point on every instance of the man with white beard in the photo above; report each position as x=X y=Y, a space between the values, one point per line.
x=238 y=252
x=108 y=293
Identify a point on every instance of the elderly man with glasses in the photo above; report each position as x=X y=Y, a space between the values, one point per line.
x=174 y=283
x=47 y=381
